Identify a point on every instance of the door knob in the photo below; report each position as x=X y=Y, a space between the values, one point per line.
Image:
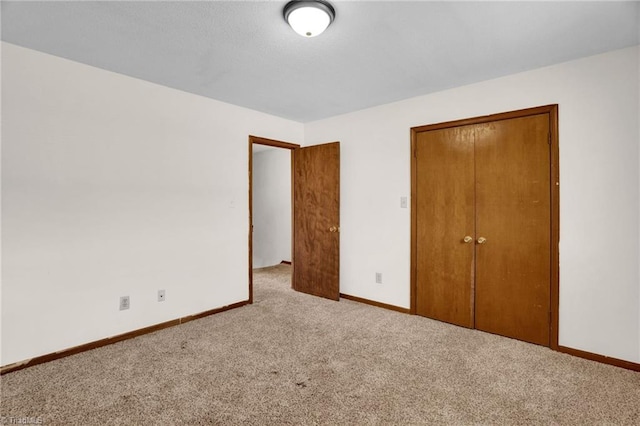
x=333 y=229
x=467 y=239
x=482 y=240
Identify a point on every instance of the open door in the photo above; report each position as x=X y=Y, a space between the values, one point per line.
x=316 y=224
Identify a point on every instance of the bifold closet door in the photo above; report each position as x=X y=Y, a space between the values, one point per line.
x=445 y=211
x=513 y=228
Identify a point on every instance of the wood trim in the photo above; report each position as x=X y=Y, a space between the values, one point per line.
x=546 y=109
x=114 y=339
x=293 y=221
x=272 y=142
x=277 y=144
x=374 y=303
x=414 y=224
x=250 y=237
x=600 y=358
x=552 y=111
x=555 y=225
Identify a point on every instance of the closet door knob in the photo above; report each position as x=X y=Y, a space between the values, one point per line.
x=467 y=239
x=482 y=240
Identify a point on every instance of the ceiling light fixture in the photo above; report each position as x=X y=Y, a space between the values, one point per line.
x=309 y=18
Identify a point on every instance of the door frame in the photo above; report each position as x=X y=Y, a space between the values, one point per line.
x=552 y=111
x=276 y=144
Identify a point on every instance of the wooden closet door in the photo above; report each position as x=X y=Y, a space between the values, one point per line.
x=445 y=215
x=513 y=208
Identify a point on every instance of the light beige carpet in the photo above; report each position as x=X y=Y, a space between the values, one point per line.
x=295 y=359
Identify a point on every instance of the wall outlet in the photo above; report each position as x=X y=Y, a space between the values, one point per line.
x=378 y=277
x=124 y=303
x=403 y=202
x=160 y=295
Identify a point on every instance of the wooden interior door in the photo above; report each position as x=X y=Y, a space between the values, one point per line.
x=316 y=239
x=446 y=215
x=513 y=223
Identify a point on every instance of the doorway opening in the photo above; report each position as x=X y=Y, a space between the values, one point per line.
x=257 y=142
x=315 y=217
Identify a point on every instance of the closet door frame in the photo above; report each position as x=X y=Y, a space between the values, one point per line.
x=552 y=111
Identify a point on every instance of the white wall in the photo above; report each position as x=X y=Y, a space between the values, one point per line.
x=114 y=186
x=599 y=190
x=271 y=207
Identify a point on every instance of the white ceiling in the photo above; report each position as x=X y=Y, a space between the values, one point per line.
x=375 y=52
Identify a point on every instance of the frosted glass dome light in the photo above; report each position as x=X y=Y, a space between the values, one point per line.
x=309 y=18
